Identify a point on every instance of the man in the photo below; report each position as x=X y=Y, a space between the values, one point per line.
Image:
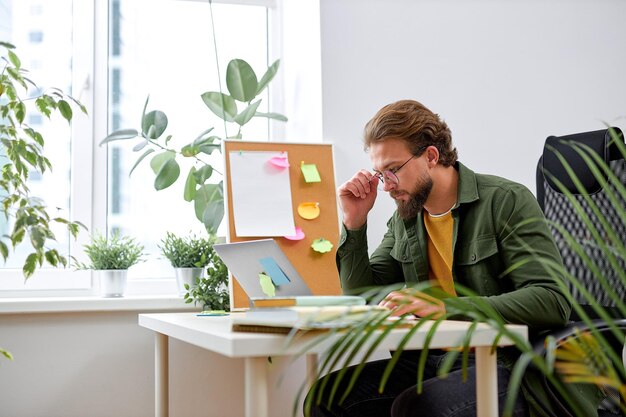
x=451 y=226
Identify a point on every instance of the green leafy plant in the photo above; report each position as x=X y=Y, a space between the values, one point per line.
x=116 y=252
x=211 y=291
x=21 y=153
x=586 y=357
x=236 y=108
x=187 y=252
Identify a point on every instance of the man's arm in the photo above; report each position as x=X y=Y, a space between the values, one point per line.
x=525 y=246
x=356 y=271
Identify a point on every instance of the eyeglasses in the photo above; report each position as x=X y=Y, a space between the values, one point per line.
x=389 y=176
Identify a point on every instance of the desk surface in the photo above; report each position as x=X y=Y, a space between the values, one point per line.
x=214 y=333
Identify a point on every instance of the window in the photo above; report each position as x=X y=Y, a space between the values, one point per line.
x=35 y=36
x=145 y=60
x=140 y=48
x=55 y=69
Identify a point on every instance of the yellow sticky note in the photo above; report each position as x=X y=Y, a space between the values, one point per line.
x=322 y=245
x=309 y=210
x=310 y=172
x=267 y=286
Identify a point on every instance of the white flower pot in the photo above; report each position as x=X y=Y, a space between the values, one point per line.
x=112 y=282
x=187 y=276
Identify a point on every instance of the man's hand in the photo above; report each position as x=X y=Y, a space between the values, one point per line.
x=413 y=302
x=356 y=198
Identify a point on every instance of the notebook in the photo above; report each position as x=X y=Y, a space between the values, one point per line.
x=247 y=260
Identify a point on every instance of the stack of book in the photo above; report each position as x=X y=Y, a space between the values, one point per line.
x=281 y=315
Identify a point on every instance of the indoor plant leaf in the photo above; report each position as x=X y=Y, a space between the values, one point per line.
x=141 y=158
x=203 y=174
x=213 y=215
x=120 y=135
x=140 y=145
x=268 y=76
x=224 y=106
x=247 y=113
x=189 y=192
x=275 y=116
x=167 y=175
x=65 y=109
x=208 y=148
x=209 y=199
x=241 y=80
x=155 y=118
x=158 y=160
x=14 y=59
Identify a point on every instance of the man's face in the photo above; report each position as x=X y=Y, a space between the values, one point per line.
x=414 y=183
x=416 y=197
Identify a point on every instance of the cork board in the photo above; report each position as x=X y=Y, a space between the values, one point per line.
x=318 y=270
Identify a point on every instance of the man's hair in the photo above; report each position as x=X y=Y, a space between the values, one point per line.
x=412 y=122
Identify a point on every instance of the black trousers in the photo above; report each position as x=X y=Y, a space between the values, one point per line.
x=440 y=397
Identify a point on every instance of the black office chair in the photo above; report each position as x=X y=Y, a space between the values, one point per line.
x=558 y=209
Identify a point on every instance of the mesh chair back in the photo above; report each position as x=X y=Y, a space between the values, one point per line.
x=559 y=209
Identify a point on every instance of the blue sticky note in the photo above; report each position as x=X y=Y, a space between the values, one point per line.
x=272 y=269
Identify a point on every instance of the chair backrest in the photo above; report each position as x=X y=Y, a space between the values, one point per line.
x=559 y=209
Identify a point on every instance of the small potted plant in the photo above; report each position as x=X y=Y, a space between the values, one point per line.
x=110 y=258
x=211 y=292
x=188 y=255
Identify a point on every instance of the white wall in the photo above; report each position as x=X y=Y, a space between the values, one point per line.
x=102 y=365
x=503 y=74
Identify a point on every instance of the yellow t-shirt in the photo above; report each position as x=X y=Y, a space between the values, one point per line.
x=440 y=230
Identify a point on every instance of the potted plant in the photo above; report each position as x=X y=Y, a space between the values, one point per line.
x=22 y=155
x=188 y=255
x=111 y=258
x=211 y=291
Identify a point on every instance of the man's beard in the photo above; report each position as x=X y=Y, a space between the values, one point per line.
x=419 y=195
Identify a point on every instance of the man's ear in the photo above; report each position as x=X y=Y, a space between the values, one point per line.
x=432 y=155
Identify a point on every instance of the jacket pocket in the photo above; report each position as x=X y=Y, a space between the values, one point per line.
x=477 y=250
x=477 y=267
x=401 y=251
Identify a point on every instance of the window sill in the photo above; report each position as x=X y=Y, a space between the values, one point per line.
x=93 y=304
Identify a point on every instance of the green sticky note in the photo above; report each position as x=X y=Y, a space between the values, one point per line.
x=322 y=245
x=211 y=313
x=310 y=172
x=267 y=286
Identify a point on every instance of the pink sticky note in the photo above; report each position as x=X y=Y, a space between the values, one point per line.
x=280 y=161
x=298 y=236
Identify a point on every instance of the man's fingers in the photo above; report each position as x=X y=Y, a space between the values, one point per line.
x=359 y=185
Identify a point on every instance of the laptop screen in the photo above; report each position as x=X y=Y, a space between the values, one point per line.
x=262 y=268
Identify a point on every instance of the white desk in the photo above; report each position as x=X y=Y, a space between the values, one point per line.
x=214 y=334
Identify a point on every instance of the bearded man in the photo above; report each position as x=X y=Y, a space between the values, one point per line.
x=452 y=226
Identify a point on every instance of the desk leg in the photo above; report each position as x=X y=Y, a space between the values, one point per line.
x=161 y=376
x=256 y=383
x=486 y=382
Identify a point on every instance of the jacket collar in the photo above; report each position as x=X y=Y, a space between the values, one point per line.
x=467 y=188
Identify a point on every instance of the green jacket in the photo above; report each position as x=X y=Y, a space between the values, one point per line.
x=488 y=239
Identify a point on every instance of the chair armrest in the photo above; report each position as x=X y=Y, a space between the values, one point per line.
x=570 y=330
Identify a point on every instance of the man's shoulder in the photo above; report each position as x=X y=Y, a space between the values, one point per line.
x=497 y=186
x=495 y=181
x=487 y=181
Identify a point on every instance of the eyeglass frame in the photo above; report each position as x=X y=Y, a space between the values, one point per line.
x=381 y=175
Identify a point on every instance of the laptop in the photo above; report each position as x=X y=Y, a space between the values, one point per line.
x=246 y=260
